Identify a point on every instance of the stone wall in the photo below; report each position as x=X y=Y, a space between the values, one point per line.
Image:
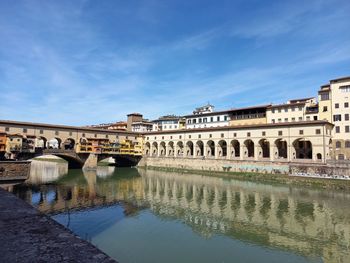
x=216 y=165
x=14 y=170
x=328 y=171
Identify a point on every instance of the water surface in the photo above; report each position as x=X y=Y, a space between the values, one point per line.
x=137 y=215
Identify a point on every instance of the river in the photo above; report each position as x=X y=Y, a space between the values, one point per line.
x=138 y=215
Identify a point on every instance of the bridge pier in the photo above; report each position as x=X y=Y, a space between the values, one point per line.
x=91 y=161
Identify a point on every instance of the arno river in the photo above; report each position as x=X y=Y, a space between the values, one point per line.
x=137 y=215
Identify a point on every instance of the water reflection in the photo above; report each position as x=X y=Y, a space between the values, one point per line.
x=306 y=222
x=42 y=172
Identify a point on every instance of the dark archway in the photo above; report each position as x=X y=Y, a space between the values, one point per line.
x=180 y=148
x=69 y=144
x=235 y=148
x=189 y=148
x=265 y=148
x=210 y=148
x=162 y=149
x=170 y=149
x=147 y=149
x=282 y=149
x=199 y=148
x=303 y=149
x=249 y=145
x=222 y=148
x=154 y=149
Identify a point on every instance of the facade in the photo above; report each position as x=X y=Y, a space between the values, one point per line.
x=334 y=100
x=289 y=142
x=3 y=140
x=166 y=123
x=120 y=126
x=294 y=110
x=248 y=116
x=142 y=126
x=14 y=143
x=207 y=119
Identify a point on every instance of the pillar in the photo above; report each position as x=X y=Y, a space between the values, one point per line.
x=91 y=162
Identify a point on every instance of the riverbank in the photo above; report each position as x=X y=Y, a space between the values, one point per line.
x=268 y=178
x=27 y=235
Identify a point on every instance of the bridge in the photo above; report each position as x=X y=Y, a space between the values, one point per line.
x=79 y=146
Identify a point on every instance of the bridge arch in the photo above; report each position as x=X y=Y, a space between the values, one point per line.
x=69 y=144
x=54 y=143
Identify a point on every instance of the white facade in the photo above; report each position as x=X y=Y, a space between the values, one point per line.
x=218 y=119
x=141 y=127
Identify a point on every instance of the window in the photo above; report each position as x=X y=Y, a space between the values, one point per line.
x=346 y=104
x=248 y=134
x=346 y=116
x=117 y=137
x=347 y=144
x=273 y=120
x=235 y=135
x=83 y=135
x=41 y=131
x=263 y=133
x=7 y=128
x=175 y=126
x=336 y=105
x=325 y=108
x=205 y=120
x=56 y=133
x=189 y=136
x=324 y=96
x=273 y=110
x=188 y=121
x=338 y=144
x=293 y=108
x=199 y=136
x=347 y=130
x=279 y=120
x=315 y=118
x=345 y=88
x=337 y=117
x=194 y=121
x=225 y=118
x=307 y=118
x=300 y=118
x=222 y=135
x=293 y=119
x=70 y=133
x=147 y=138
x=286 y=110
x=218 y=118
x=200 y=120
x=300 y=108
x=155 y=137
x=95 y=135
x=162 y=137
x=210 y=135
x=286 y=119
x=180 y=137
x=279 y=110
x=301 y=132
x=106 y=136
x=211 y=119
x=341 y=157
x=126 y=137
x=171 y=137
x=318 y=131
x=337 y=129
x=280 y=133
x=25 y=130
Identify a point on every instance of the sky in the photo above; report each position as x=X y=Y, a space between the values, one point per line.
x=87 y=62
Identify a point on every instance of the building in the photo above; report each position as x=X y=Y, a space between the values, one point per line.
x=206 y=117
x=282 y=142
x=142 y=126
x=334 y=100
x=120 y=126
x=305 y=109
x=14 y=143
x=166 y=123
x=248 y=115
x=3 y=139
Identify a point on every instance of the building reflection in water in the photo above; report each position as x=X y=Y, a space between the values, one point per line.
x=307 y=222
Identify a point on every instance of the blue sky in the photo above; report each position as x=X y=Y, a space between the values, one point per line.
x=86 y=62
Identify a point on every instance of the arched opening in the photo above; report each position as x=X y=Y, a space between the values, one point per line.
x=199 y=148
x=40 y=143
x=249 y=148
x=282 y=149
x=210 y=148
x=28 y=144
x=147 y=149
x=235 y=148
x=54 y=143
x=303 y=149
x=171 y=148
x=154 y=149
x=189 y=148
x=319 y=156
x=162 y=149
x=69 y=144
x=83 y=141
x=222 y=148
x=180 y=148
x=265 y=148
x=338 y=144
